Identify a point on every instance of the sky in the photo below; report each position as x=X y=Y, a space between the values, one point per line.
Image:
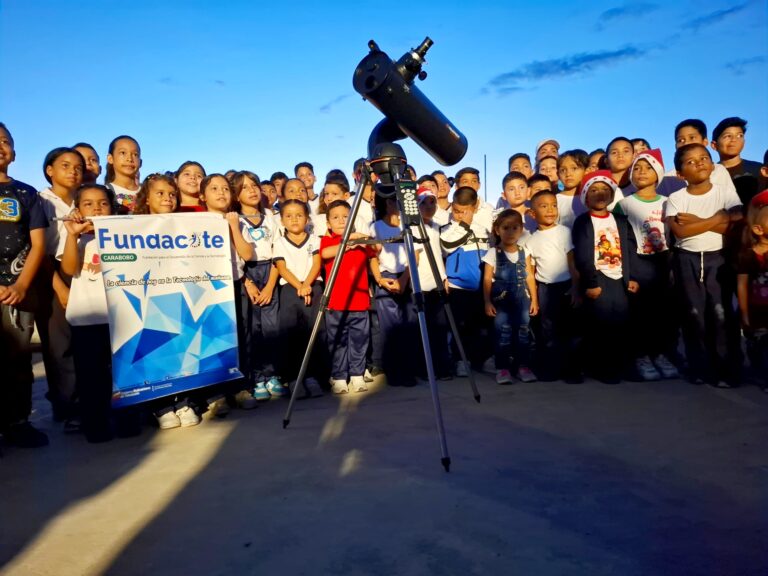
x=263 y=86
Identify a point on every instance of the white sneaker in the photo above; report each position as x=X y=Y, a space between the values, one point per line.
x=339 y=386
x=168 y=420
x=663 y=365
x=245 y=400
x=489 y=366
x=357 y=383
x=462 y=369
x=187 y=417
x=646 y=370
x=218 y=407
x=368 y=376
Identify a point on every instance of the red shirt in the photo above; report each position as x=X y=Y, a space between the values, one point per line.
x=191 y=208
x=350 y=292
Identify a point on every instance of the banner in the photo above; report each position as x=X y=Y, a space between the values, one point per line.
x=169 y=286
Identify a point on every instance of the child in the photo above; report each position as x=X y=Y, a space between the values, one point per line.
x=650 y=312
x=548 y=147
x=188 y=178
x=22 y=249
x=297 y=258
x=516 y=195
x=92 y=162
x=269 y=197
x=728 y=140
x=698 y=217
x=465 y=243
x=336 y=187
x=258 y=298
x=279 y=179
x=753 y=287
x=618 y=158
x=305 y=172
x=547 y=166
x=694 y=131
x=216 y=195
x=509 y=291
x=571 y=167
x=596 y=160
x=551 y=252
x=123 y=164
x=346 y=320
x=521 y=162
x=640 y=145
x=604 y=249
x=442 y=213
x=365 y=214
x=470 y=177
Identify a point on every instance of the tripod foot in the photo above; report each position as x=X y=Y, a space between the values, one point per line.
x=285 y=423
x=477 y=398
x=446 y=462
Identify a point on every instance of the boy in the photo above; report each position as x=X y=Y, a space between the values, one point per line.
x=694 y=131
x=465 y=242
x=22 y=249
x=640 y=145
x=442 y=214
x=515 y=195
x=551 y=250
x=547 y=166
x=728 y=141
x=305 y=172
x=698 y=217
x=347 y=323
x=278 y=179
x=92 y=162
x=521 y=162
x=470 y=178
x=604 y=249
x=651 y=316
x=537 y=183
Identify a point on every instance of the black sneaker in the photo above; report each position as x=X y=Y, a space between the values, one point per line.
x=24 y=435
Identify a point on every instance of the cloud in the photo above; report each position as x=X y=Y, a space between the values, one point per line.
x=627 y=11
x=325 y=108
x=220 y=83
x=739 y=67
x=574 y=65
x=712 y=18
x=167 y=80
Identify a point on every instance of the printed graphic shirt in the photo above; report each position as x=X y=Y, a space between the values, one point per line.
x=125 y=198
x=647 y=220
x=20 y=212
x=607 y=246
x=755 y=266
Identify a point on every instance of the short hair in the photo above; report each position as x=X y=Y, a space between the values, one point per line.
x=86 y=145
x=731 y=122
x=541 y=193
x=267 y=183
x=426 y=178
x=108 y=192
x=465 y=196
x=279 y=176
x=683 y=150
x=514 y=175
x=187 y=164
x=10 y=136
x=617 y=139
x=596 y=151
x=436 y=172
x=579 y=156
x=140 y=204
x=411 y=169
x=538 y=178
x=293 y=202
x=338 y=204
x=56 y=153
x=765 y=158
x=337 y=177
x=302 y=165
x=640 y=141
x=540 y=160
x=517 y=156
x=694 y=123
x=467 y=170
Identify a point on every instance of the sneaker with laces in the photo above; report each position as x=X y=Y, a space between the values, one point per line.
x=646 y=370
x=524 y=374
x=260 y=391
x=24 y=435
x=245 y=400
x=276 y=388
x=72 y=425
x=503 y=376
x=462 y=369
x=357 y=384
x=339 y=386
x=218 y=407
x=168 y=420
x=187 y=417
x=665 y=367
x=368 y=376
x=489 y=366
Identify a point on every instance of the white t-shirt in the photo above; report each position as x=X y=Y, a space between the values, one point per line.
x=441 y=217
x=549 y=252
x=392 y=257
x=484 y=218
x=426 y=278
x=647 y=220
x=607 y=246
x=704 y=206
x=365 y=217
x=318 y=224
x=568 y=209
x=298 y=257
x=87 y=303
x=53 y=207
x=719 y=176
x=261 y=236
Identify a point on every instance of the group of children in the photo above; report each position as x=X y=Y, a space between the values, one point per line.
x=589 y=264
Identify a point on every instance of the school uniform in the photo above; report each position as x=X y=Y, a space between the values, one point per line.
x=568 y=209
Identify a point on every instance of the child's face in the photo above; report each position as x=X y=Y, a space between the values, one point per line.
x=508 y=230
x=544 y=210
x=443 y=187
x=92 y=163
x=306 y=176
x=594 y=162
x=696 y=166
x=428 y=207
x=66 y=171
x=521 y=165
x=516 y=192
x=760 y=227
x=599 y=196
x=279 y=183
x=268 y=195
x=429 y=185
x=337 y=219
x=294 y=218
x=189 y=180
x=463 y=213
x=548 y=167
x=250 y=193
x=689 y=135
x=643 y=175
x=93 y=202
x=731 y=142
x=638 y=147
x=470 y=180
x=620 y=156
x=161 y=198
x=547 y=149
x=570 y=173
x=368 y=192
x=333 y=192
x=125 y=158
x=7 y=153
x=217 y=197
x=538 y=187
x=295 y=190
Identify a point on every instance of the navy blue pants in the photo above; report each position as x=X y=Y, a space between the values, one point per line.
x=437 y=329
x=347 y=333
x=261 y=327
x=606 y=321
x=296 y=321
x=16 y=357
x=469 y=312
x=399 y=334
x=559 y=332
x=654 y=329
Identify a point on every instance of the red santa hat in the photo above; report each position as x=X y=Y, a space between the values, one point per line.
x=760 y=200
x=653 y=157
x=423 y=193
x=593 y=177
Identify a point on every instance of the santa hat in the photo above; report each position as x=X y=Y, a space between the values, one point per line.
x=593 y=177
x=760 y=200
x=423 y=193
x=653 y=157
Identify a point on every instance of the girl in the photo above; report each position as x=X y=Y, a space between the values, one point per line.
x=258 y=299
x=336 y=188
x=123 y=164
x=510 y=296
x=571 y=167
x=216 y=195
x=297 y=259
x=88 y=317
x=64 y=169
x=753 y=287
x=188 y=178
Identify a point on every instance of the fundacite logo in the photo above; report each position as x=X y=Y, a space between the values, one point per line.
x=108 y=240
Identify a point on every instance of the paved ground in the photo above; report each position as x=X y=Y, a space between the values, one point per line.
x=547 y=479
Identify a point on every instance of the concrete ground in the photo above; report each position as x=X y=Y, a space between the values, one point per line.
x=547 y=479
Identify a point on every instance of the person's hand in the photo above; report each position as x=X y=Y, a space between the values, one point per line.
x=265 y=297
x=534 y=310
x=304 y=290
x=252 y=291
x=12 y=294
x=684 y=218
x=62 y=295
x=490 y=309
x=233 y=218
x=594 y=293
x=76 y=224
x=390 y=285
x=446 y=285
x=633 y=286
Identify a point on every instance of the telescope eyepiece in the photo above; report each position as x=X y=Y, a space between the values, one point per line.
x=421 y=50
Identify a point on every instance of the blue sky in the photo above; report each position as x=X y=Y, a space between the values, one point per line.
x=262 y=87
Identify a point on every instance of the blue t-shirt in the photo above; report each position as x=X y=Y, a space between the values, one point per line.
x=20 y=212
